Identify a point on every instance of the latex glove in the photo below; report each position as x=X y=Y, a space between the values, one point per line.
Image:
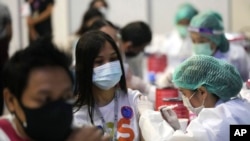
x=135 y=82
x=88 y=133
x=170 y=116
x=164 y=80
x=139 y=84
x=144 y=104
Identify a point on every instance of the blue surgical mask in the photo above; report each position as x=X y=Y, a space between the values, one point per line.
x=202 y=49
x=107 y=76
x=186 y=102
x=182 y=30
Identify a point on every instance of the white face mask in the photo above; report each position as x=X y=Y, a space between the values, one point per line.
x=186 y=102
x=103 y=10
x=108 y=75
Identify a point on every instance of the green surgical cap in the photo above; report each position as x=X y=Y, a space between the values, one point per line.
x=213 y=21
x=185 y=11
x=217 y=76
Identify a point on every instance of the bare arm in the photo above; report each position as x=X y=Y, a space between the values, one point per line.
x=43 y=16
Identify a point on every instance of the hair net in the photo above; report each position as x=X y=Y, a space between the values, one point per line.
x=185 y=11
x=217 y=76
x=213 y=21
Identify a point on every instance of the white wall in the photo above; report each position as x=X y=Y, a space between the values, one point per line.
x=67 y=15
x=16 y=41
x=164 y=12
x=240 y=15
x=76 y=10
x=60 y=21
x=123 y=11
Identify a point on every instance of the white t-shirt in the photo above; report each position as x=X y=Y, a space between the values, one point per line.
x=128 y=116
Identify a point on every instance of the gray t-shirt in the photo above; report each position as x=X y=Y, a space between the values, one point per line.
x=4 y=19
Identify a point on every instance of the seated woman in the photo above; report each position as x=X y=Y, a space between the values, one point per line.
x=103 y=99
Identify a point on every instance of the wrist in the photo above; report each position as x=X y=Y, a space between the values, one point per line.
x=35 y=21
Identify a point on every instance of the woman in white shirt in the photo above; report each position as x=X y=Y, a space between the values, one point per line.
x=103 y=99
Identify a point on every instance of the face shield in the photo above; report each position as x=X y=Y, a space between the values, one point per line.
x=207 y=31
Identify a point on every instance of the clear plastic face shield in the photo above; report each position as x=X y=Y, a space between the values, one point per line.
x=205 y=31
x=199 y=44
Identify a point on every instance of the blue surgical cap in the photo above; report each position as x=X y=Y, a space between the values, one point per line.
x=217 y=76
x=185 y=11
x=211 y=20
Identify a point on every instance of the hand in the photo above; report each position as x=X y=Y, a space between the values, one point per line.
x=88 y=133
x=165 y=80
x=170 y=116
x=33 y=35
x=144 y=104
x=31 y=21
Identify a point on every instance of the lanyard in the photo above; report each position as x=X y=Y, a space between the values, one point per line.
x=115 y=118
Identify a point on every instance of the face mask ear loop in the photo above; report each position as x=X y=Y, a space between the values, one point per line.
x=192 y=95
x=24 y=124
x=203 y=102
x=14 y=115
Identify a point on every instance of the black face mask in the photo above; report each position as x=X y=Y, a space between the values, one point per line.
x=131 y=54
x=51 y=122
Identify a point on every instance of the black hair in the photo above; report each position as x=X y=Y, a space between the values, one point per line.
x=139 y=33
x=87 y=49
x=41 y=53
x=89 y=14
x=98 y=24
x=115 y=26
x=92 y=3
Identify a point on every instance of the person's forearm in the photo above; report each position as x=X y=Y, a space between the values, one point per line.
x=44 y=15
x=32 y=33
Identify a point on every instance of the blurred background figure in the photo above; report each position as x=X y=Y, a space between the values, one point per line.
x=101 y=5
x=208 y=37
x=89 y=17
x=39 y=21
x=107 y=27
x=135 y=36
x=177 y=45
x=5 y=38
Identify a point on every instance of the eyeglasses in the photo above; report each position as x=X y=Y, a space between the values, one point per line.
x=195 y=91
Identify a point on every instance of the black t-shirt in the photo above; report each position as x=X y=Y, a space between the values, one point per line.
x=37 y=7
